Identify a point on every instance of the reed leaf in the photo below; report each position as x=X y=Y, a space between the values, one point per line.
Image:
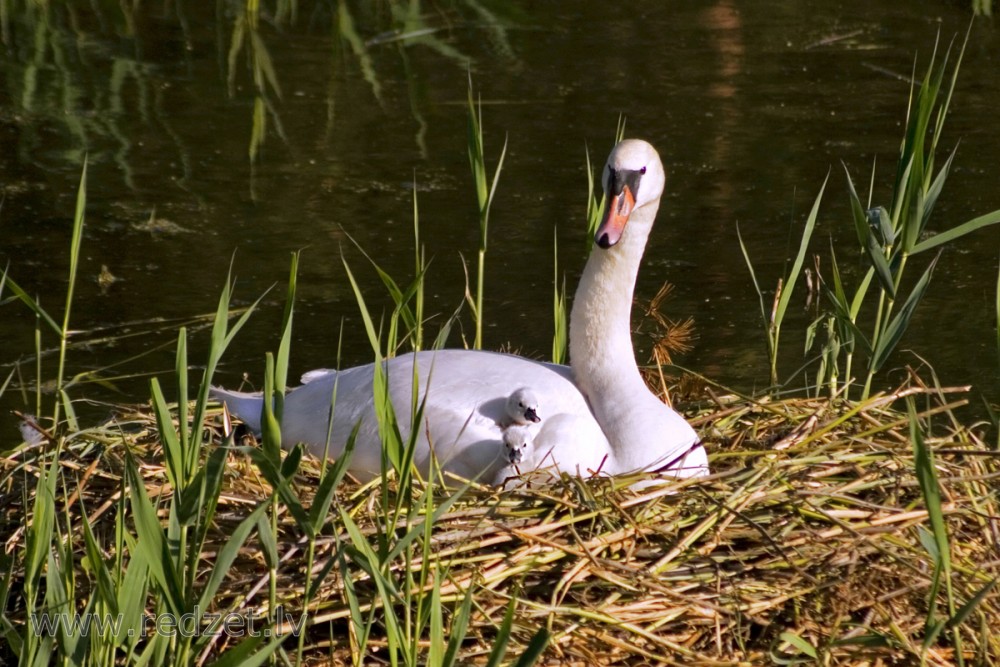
x=503 y=635
x=35 y=307
x=880 y=265
x=925 y=203
x=857 y=211
x=957 y=232
x=40 y=530
x=132 y=591
x=887 y=342
x=437 y=650
x=243 y=654
x=560 y=325
x=228 y=553
x=150 y=540
x=966 y=609
x=799 y=643
x=105 y=584
x=539 y=641
x=753 y=278
x=927 y=477
x=459 y=628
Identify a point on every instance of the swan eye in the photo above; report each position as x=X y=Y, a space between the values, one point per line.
x=642 y=171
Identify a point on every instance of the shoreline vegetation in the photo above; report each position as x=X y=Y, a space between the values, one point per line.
x=841 y=526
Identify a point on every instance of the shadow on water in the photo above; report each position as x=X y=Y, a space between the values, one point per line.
x=264 y=128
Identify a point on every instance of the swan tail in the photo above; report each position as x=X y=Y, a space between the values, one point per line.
x=245 y=406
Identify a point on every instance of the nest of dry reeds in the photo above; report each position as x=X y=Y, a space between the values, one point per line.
x=806 y=541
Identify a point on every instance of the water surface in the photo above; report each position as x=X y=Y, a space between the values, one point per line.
x=750 y=104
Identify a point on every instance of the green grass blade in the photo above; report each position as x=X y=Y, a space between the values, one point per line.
x=151 y=540
x=359 y=627
x=271 y=471
x=227 y=555
x=8 y=632
x=270 y=428
x=132 y=597
x=503 y=635
x=861 y=293
x=211 y=488
x=894 y=332
x=330 y=481
x=268 y=543
x=560 y=325
x=285 y=345
x=99 y=569
x=34 y=306
x=971 y=605
x=927 y=477
x=535 y=648
x=417 y=530
x=857 y=211
x=957 y=232
x=373 y=337
x=369 y=561
x=242 y=655
x=39 y=537
x=753 y=277
x=496 y=176
x=880 y=264
x=900 y=201
x=799 y=643
x=436 y=651
x=459 y=628
x=926 y=203
x=191 y=457
x=172 y=450
x=793 y=276
x=77 y=240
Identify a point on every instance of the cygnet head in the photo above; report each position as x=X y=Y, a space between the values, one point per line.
x=517 y=444
x=632 y=178
x=522 y=407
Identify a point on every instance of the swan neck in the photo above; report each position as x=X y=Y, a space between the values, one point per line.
x=601 y=351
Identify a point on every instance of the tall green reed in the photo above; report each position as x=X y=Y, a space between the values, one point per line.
x=887 y=238
x=163 y=562
x=485 y=190
x=62 y=331
x=785 y=287
x=938 y=544
x=398 y=560
x=560 y=319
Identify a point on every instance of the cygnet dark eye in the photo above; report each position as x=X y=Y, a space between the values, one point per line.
x=642 y=171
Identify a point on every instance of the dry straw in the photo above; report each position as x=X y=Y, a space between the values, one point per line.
x=804 y=545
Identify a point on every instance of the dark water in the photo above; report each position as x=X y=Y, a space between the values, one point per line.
x=750 y=105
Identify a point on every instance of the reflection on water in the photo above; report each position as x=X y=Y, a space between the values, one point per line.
x=266 y=133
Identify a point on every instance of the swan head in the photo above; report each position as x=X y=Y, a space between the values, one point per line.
x=632 y=178
x=522 y=407
x=517 y=444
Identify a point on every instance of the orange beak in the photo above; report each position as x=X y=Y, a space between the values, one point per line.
x=619 y=208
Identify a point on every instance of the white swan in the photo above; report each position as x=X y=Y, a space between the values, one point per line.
x=520 y=415
x=601 y=400
x=518 y=445
x=521 y=408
